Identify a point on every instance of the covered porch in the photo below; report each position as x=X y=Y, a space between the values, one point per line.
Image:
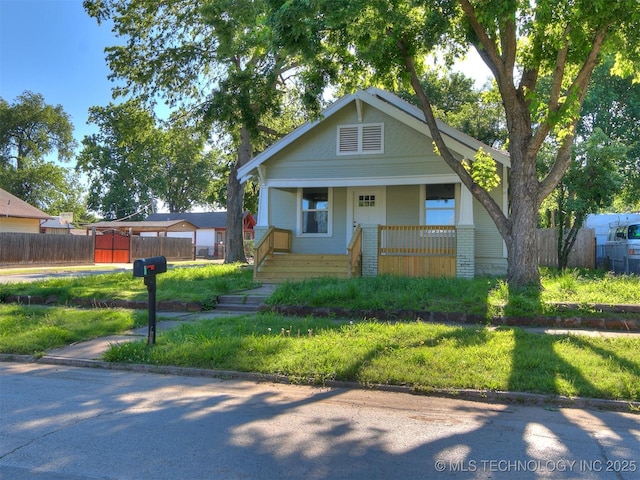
x=408 y=250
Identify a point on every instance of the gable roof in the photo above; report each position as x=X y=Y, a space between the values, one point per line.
x=395 y=107
x=57 y=223
x=199 y=219
x=144 y=226
x=12 y=206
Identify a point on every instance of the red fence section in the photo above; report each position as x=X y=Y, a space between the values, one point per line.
x=112 y=247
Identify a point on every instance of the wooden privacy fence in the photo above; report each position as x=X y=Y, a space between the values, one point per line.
x=36 y=248
x=417 y=251
x=583 y=253
x=25 y=248
x=172 y=248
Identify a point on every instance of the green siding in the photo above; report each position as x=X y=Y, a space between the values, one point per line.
x=283 y=208
x=403 y=205
x=489 y=244
x=407 y=152
x=284 y=211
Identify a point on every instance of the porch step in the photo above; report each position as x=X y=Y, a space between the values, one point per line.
x=279 y=268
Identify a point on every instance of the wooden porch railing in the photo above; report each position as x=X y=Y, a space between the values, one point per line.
x=354 y=251
x=417 y=240
x=274 y=240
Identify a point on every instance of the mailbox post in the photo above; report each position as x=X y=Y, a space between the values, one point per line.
x=148 y=268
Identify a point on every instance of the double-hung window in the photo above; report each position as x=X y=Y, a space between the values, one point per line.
x=440 y=205
x=315 y=211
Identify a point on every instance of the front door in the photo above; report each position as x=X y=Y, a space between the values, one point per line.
x=367 y=208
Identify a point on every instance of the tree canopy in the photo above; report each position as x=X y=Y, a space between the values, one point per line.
x=612 y=105
x=388 y=41
x=216 y=59
x=133 y=164
x=31 y=131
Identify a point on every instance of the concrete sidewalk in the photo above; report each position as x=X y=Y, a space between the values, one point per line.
x=92 y=350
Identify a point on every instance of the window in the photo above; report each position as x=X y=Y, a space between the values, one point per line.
x=359 y=139
x=315 y=211
x=440 y=205
x=366 y=200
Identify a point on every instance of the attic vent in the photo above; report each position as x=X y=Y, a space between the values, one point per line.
x=357 y=139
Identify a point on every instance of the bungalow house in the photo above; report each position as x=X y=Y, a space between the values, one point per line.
x=211 y=230
x=363 y=192
x=17 y=216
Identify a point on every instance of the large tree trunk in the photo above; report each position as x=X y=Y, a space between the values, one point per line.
x=521 y=245
x=235 y=203
x=522 y=251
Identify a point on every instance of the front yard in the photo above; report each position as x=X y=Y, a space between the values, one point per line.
x=423 y=355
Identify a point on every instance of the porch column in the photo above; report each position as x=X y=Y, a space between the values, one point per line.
x=369 y=250
x=262 y=219
x=262 y=216
x=465 y=237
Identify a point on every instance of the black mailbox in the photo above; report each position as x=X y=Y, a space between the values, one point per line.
x=146 y=267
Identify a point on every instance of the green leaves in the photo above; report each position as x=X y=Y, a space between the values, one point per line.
x=483 y=170
x=30 y=129
x=132 y=163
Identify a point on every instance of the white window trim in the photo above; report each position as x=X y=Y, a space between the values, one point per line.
x=423 y=208
x=329 y=233
x=360 y=127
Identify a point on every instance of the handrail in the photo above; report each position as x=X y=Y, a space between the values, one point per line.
x=417 y=240
x=354 y=250
x=274 y=240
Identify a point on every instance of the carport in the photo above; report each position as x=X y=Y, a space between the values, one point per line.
x=113 y=239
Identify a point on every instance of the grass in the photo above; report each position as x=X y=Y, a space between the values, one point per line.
x=422 y=355
x=190 y=284
x=425 y=356
x=32 y=330
x=489 y=297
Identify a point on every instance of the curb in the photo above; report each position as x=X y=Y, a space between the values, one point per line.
x=481 y=396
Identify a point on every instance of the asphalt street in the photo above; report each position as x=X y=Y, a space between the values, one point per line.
x=61 y=422
x=36 y=274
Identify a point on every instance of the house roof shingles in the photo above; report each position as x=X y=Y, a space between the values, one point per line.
x=199 y=219
x=12 y=206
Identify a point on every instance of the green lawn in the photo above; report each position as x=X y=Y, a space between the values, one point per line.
x=425 y=356
x=189 y=284
x=488 y=297
x=33 y=330
x=422 y=355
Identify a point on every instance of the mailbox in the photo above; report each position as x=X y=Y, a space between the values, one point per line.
x=146 y=267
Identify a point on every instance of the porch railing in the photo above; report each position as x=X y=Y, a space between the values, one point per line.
x=354 y=251
x=274 y=240
x=417 y=240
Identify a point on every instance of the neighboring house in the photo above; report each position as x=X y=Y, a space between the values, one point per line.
x=211 y=230
x=17 y=216
x=146 y=228
x=57 y=226
x=362 y=191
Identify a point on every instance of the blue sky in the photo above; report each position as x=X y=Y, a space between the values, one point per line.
x=54 y=48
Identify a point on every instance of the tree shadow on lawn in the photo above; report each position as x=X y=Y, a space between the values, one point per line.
x=538 y=366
